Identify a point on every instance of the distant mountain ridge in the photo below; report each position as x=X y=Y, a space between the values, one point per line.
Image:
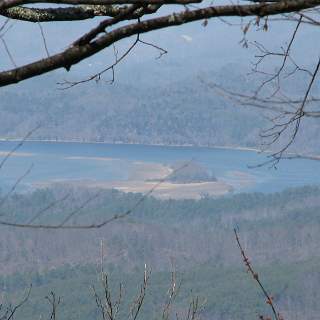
x=185 y=112
x=152 y=101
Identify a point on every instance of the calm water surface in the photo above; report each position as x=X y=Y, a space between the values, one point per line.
x=54 y=161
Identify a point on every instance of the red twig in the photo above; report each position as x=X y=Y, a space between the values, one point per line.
x=255 y=276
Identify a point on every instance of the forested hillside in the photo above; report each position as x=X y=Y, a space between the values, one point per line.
x=178 y=112
x=182 y=112
x=279 y=232
x=153 y=101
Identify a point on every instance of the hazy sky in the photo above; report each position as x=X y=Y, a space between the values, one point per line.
x=191 y=48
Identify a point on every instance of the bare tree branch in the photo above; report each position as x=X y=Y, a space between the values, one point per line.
x=77 y=53
x=17 y=146
x=54 y=303
x=60 y=14
x=44 y=39
x=256 y=278
x=63 y=225
x=5 y=4
x=15 y=185
x=10 y=310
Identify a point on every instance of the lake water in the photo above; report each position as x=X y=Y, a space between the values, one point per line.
x=56 y=161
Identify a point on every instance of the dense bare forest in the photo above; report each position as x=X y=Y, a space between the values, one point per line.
x=279 y=230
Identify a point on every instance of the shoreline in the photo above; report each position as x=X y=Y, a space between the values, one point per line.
x=287 y=156
x=251 y=149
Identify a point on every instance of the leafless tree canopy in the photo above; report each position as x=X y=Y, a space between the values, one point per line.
x=123 y=19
